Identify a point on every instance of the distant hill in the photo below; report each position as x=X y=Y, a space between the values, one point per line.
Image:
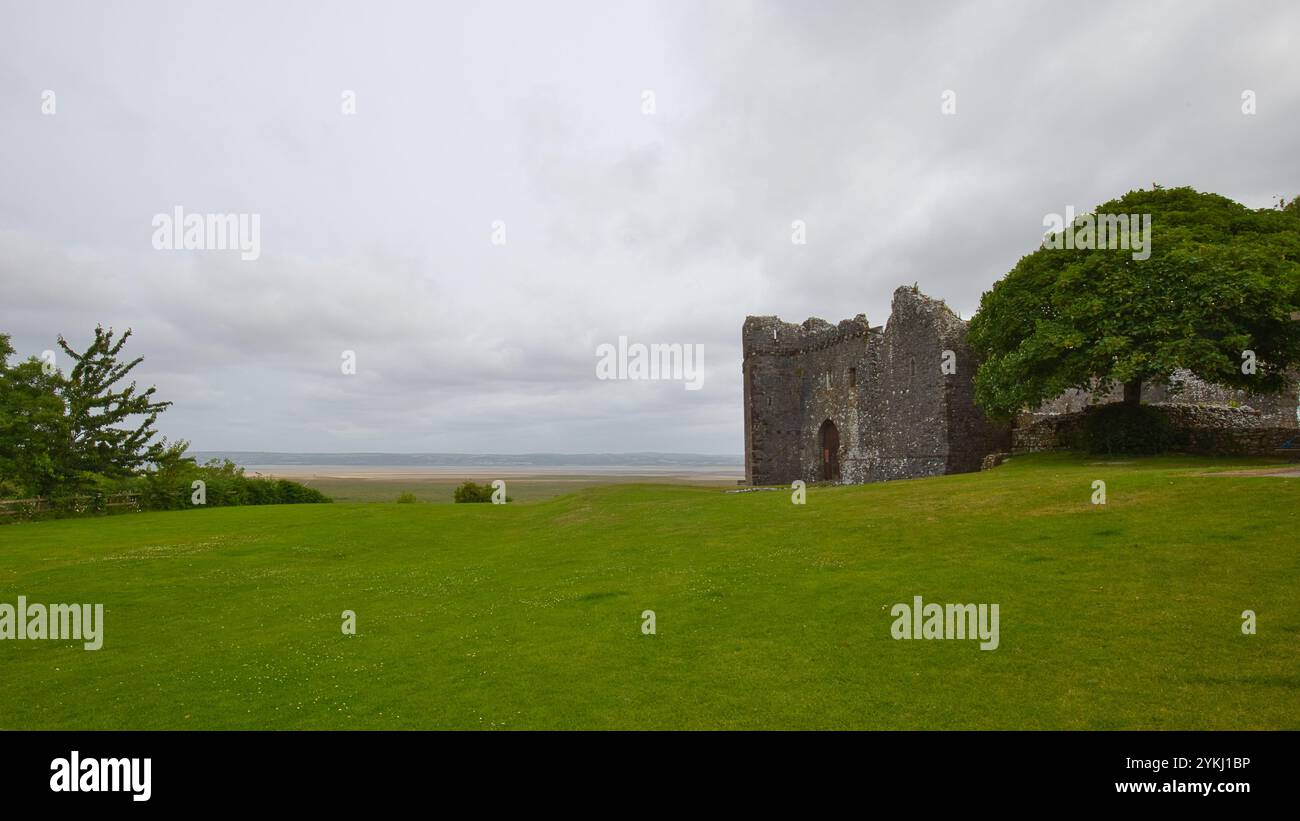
x=255 y=457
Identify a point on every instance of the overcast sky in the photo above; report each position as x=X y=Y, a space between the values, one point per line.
x=671 y=226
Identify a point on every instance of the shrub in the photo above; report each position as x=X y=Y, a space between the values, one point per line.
x=225 y=485
x=10 y=489
x=406 y=499
x=1120 y=428
x=469 y=491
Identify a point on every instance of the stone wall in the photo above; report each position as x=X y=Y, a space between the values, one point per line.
x=897 y=414
x=1275 y=410
x=924 y=422
x=794 y=374
x=1200 y=429
x=1046 y=433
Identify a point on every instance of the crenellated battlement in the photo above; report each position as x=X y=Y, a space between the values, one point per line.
x=770 y=335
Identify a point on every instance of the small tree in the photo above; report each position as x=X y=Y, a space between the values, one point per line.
x=1221 y=280
x=97 y=440
x=32 y=425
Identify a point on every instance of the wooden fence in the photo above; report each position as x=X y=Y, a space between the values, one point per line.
x=84 y=503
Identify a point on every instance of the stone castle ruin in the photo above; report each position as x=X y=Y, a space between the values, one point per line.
x=859 y=403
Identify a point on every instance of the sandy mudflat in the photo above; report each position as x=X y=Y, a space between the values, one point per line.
x=526 y=483
x=721 y=473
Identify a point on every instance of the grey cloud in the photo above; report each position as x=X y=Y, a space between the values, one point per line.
x=663 y=228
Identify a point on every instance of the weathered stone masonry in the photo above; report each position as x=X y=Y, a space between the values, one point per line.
x=856 y=403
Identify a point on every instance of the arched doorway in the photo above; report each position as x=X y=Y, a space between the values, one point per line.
x=828 y=443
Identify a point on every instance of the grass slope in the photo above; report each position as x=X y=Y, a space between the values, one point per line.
x=769 y=614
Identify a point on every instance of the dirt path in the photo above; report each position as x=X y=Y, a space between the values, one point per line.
x=1291 y=472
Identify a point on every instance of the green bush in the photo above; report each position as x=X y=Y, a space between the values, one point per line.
x=172 y=487
x=1131 y=430
x=469 y=491
x=406 y=499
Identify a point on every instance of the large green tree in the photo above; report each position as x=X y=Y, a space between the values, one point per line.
x=1221 y=279
x=110 y=428
x=32 y=425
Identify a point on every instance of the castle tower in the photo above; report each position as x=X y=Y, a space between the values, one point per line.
x=804 y=399
x=852 y=403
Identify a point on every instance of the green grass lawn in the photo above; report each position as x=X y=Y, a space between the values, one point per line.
x=769 y=615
